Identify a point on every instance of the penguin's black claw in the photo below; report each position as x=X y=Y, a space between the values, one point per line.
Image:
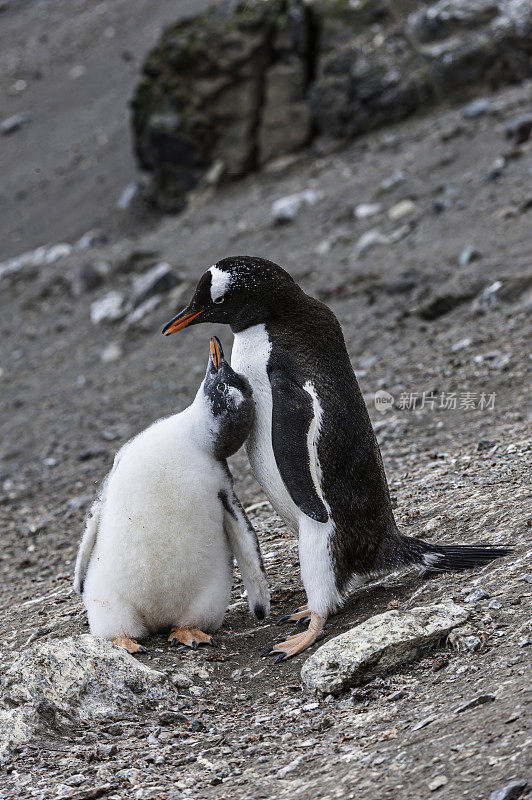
x=283 y=619
x=267 y=651
x=300 y=614
x=214 y=642
x=194 y=645
x=301 y=620
x=289 y=646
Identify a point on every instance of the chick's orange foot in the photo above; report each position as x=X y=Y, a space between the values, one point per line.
x=129 y=644
x=191 y=637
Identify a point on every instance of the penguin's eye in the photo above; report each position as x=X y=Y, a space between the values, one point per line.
x=221 y=387
x=218 y=300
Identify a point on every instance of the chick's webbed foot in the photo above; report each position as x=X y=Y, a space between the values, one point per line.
x=191 y=637
x=129 y=644
x=296 y=643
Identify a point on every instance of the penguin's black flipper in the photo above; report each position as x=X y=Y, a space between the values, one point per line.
x=291 y=419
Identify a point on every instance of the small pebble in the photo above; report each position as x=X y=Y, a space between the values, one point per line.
x=111 y=353
x=366 y=210
x=485 y=444
x=468 y=254
x=115 y=729
x=402 y=209
x=63 y=790
x=13 y=124
x=286 y=209
x=77 y=71
x=461 y=344
x=424 y=722
x=496 y=170
x=127 y=196
x=512 y=791
x=394 y=180
x=437 y=782
x=476 y=701
x=108 y=308
x=396 y=695
x=368 y=241
x=439 y=205
x=107 y=750
x=477 y=108
x=476 y=595
x=519 y=128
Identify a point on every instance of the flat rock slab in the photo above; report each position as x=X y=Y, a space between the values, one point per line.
x=379 y=645
x=60 y=683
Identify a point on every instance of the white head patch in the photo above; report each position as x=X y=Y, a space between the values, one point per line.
x=220 y=281
x=236 y=395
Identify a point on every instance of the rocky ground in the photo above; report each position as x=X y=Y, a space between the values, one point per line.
x=433 y=292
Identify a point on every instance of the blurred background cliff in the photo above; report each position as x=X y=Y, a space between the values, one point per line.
x=221 y=94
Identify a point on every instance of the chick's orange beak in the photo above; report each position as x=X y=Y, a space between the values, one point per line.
x=179 y=322
x=216 y=352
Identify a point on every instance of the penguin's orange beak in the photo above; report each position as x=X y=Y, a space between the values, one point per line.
x=181 y=321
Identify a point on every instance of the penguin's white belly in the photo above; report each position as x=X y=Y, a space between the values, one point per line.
x=161 y=549
x=251 y=351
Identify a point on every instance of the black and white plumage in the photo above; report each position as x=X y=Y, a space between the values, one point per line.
x=159 y=543
x=312 y=446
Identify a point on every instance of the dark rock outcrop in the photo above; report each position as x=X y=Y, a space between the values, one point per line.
x=249 y=82
x=228 y=85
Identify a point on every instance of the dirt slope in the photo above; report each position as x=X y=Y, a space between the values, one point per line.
x=78 y=60
x=248 y=729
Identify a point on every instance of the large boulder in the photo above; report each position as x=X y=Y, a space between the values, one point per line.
x=54 y=685
x=448 y=50
x=247 y=82
x=228 y=85
x=379 y=645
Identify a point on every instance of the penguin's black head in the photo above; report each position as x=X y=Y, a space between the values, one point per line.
x=239 y=291
x=230 y=403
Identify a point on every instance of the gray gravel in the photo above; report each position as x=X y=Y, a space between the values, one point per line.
x=242 y=727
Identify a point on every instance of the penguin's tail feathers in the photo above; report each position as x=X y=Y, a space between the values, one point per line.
x=451 y=557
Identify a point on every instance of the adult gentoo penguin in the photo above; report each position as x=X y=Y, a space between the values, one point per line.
x=312 y=446
x=158 y=547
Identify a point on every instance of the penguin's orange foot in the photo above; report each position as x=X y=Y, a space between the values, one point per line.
x=292 y=645
x=129 y=644
x=191 y=637
x=301 y=614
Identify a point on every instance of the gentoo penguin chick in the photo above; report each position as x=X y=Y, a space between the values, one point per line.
x=158 y=548
x=312 y=446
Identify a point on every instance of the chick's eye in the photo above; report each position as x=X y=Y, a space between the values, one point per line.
x=221 y=387
x=218 y=300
